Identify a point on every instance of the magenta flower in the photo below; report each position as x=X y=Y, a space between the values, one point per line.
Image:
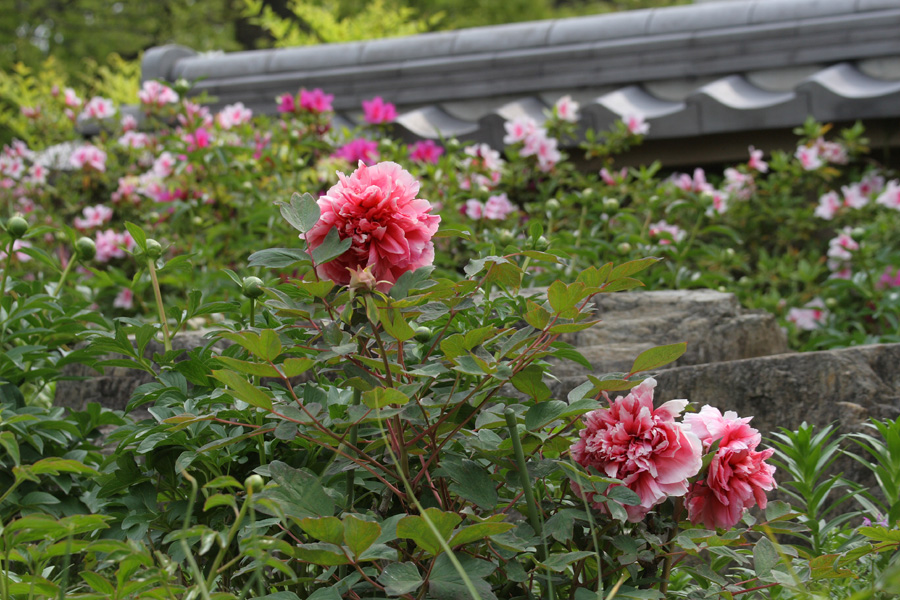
x=286 y=103
x=156 y=95
x=738 y=475
x=642 y=446
x=810 y=317
x=566 y=109
x=473 y=209
x=234 y=115
x=425 y=151
x=358 y=150
x=636 y=124
x=197 y=140
x=377 y=111
x=316 y=101
x=890 y=278
x=756 y=161
x=391 y=229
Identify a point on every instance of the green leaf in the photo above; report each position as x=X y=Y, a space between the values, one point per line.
x=765 y=556
x=295 y=366
x=244 y=390
x=302 y=212
x=299 y=494
x=269 y=345
x=445 y=583
x=626 y=283
x=610 y=385
x=536 y=316
x=138 y=235
x=563 y=297
x=472 y=482
x=394 y=323
x=559 y=562
x=331 y=247
x=543 y=413
x=631 y=267
x=478 y=531
x=412 y=280
x=400 y=578
x=248 y=368
x=359 y=535
x=415 y=528
x=572 y=327
x=277 y=258
x=98 y=583
x=657 y=357
x=324 y=529
x=9 y=443
x=381 y=397
x=325 y=555
x=530 y=380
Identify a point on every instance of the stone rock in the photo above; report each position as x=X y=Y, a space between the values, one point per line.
x=714 y=325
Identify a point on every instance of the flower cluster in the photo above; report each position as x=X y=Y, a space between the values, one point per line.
x=810 y=317
x=376 y=111
x=656 y=456
x=497 y=208
x=534 y=140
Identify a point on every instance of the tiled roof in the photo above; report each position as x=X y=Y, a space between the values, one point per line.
x=709 y=68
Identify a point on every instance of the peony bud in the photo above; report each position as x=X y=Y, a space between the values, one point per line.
x=610 y=204
x=251 y=287
x=17 y=227
x=85 y=249
x=831 y=303
x=624 y=248
x=154 y=250
x=254 y=483
x=552 y=204
x=423 y=334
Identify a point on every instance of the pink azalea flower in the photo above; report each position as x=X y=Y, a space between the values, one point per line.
x=890 y=197
x=425 y=151
x=636 y=124
x=31 y=112
x=164 y=165
x=832 y=152
x=391 y=229
x=71 y=99
x=548 y=154
x=719 y=203
x=377 y=111
x=37 y=174
x=829 y=204
x=482 y=167
x=12 y=167
x=154 y=94
x=286 y=103
x=135 y=140
x=127 y=190
x=809 y=157
x=195 y=116
x=660 y=227
x=843 y=245
x=613 y=178
x=871 y=183
x=810 y=317
x=840 y=270
x=484 y=156
x=197 y=140
x=519 y=130
x=234 y=115
x=94 y=216
x=890 y=278
x=19 y=149
x=853 y=196
x=756 y=161
x=98 y=108
x=566 y=109
x=498 y=207
x=316 y=101
x=473 y=209
x=128 y=123
x=358 y=150
x=89 y=157
x=739 y=186
x=124 y=299
x=643 y=446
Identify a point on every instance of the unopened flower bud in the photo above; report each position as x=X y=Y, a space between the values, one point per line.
x=610 y=204
x=831 y=303
x=624 y=248
x=154 y=249
x=362 y=279
x=17 y=227
x=423 y=334
x=858 y=232
x=197 y=220
x=729 y=252
x=254 y=483
x=251 y=287
x=541 y=243
x=85 y=249
x=552 y=204
x=505 y=236
x=744 y=280
x=722 y=289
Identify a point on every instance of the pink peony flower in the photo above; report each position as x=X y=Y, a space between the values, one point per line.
x=316 y=101
x=756 y=161
x=829 y=204
x=154 y=94
x=890 y=197
x=498 y=207
x=809 y=157
x=124 y=299
x=738 y=476
x=94 y=216
x=377 y=111
x=358 y=150
x=98 y=108
x=425 y=151
x=391 y=229
x=566 y=109
x=810 y=317
x=643 y=446
x=636 y=124
x=89 y=157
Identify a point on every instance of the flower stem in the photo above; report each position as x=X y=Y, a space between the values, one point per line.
x=167 y=342
x=65 y=274
x=9 y=253
x=211 y=578
x=353 y=437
